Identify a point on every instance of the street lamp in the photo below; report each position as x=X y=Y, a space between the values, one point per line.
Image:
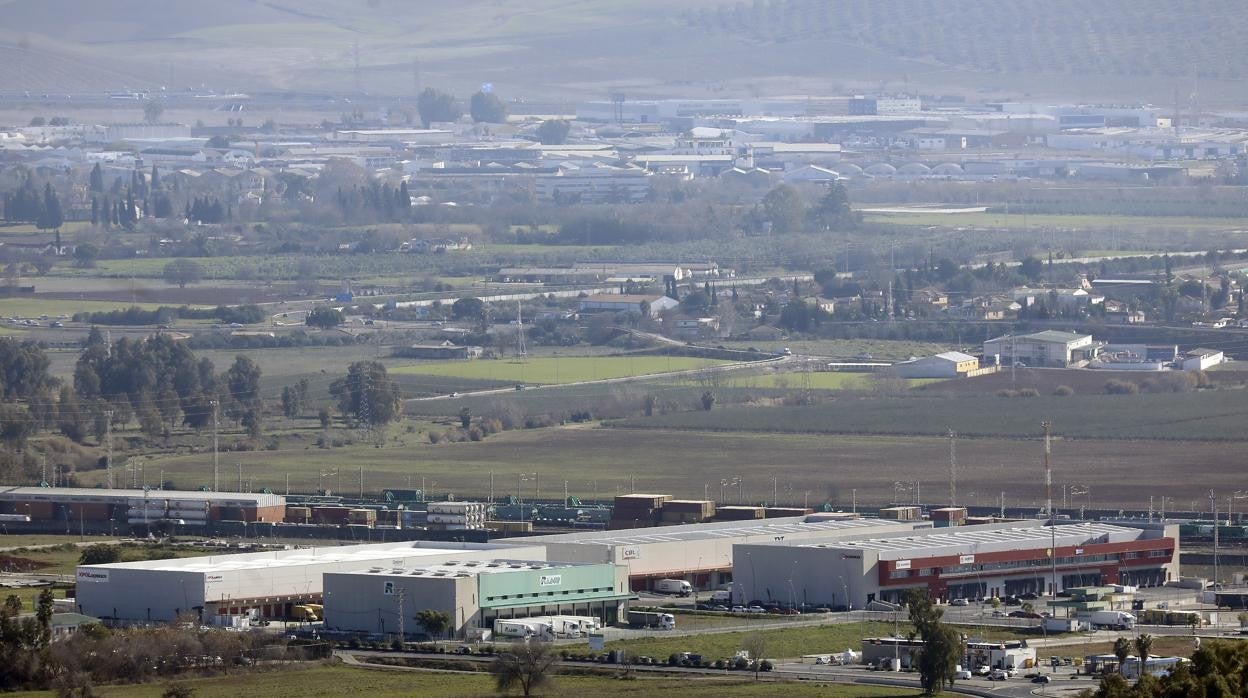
x=521 y=478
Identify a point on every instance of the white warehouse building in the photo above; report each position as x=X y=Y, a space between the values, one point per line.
x=965 y=562
x=266 y=584
x=700 y=553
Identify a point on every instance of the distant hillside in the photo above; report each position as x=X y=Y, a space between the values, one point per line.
x=1198 y=38
x=576 y=48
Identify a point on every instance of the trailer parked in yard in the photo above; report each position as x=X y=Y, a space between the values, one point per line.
x=651 y=619
x=1114 y=620
x=673 y=586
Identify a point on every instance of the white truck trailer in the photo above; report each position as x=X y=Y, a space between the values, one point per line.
x=1114 y=620
x=673 y=586
x=522 y=628
x=651 y=619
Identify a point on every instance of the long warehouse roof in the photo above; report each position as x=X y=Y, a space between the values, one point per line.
x=365 y=555
x=986 y=538
x=724 y=530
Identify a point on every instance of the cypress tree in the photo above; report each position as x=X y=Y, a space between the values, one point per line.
x=97 y=179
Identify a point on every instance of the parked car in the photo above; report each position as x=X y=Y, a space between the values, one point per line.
x=790 y=612
x=719 y=607
x=962 y=675
x=739 y=609
x=998 y=675
x=959 y=602
x=756 y=609
x=1042 y=679
x=1029 y=596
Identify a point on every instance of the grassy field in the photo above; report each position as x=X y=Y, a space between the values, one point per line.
x=991 y=219
x=880 y=349
x=795 y=380
x=818 y=468
x=555 y=370
x=1204 y=415
x=20 y=540
x=1163 y=645
x=335 y=680
x=52 y=307
x=780 y=643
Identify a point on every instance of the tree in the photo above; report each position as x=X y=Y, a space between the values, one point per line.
x=324 y=317
x=525 y=665
x=833 y=210
x=553 y=132
x=152 y=111
x=100 y=554
x=181 y=272
x=324 y=417
x=435 y=105
x=783 y=206
x=85 y=255
x=1143 y=649
x=755 y=643
x=708 y=400
x=218 y=141
x=97 y=179
x=1032 y=268
x=470 y=308
x=242 y=381
x=50 y=215
x=942 y=645
x=367 y=394
x=433 y=622
x=1122 y=650
x=487 y=107
x=465 y=417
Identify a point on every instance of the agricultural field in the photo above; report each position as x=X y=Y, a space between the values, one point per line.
x=555 y=369
x=1204 y=415
x=811 y=468
x=331 y=679
x=34 y=307
x=877 y=349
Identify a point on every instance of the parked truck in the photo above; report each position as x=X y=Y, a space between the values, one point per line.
x=522 y=628
x=723 y=596
x=1115 y=620
x=651 y=619
x=673 y=586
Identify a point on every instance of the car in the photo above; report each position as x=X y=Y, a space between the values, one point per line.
x=236 y=325
x=959 y=602
x=56 y=323
x=1042 y=679
x=755 y=609
x=822 y=609
x=739 y=609
x=719 y=607
x=790 y=612
x=1018 y=614
x=962 y=675
x=454 y=394
x=703 y=607
x=982 y=671
x=1030 y=596
x=519 y=386
x=998 y=675
x=773 y=610
x=998 y=614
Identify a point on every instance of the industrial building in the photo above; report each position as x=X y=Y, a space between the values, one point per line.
x=472 y=593
x=86 y=506
x=971 y=562
x=268 y=584
x=701 y=553
x=1047 y=349
x=950 y=364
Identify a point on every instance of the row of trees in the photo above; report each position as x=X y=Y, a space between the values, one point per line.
x=27 y=205
x=435 y=105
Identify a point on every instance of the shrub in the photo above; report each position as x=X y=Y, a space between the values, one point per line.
x=1063 y=391
x=435 y=437
x=766 y=665
x=1028 y=392
x=673 y=659
x=1006 y=392
x=1117 y=387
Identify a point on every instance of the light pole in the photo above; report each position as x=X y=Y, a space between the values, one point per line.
x=520 y=478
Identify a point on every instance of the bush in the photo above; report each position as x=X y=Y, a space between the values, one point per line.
x=673 y=659
x=1028 y=392
x=766 y=665
x=1006 y=392
x=435 y=437
x=1117 y=387
x=1063 y=391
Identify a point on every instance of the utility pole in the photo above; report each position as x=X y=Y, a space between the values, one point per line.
x=216 y=465
x=108 y=448
x=1048 y=494
x=1214 y=500
x=240 y=477
x=853 y=494
x=953 y=469
x=361 y=482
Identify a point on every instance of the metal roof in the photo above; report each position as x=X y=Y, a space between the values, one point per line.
x=67 y=493
x=985 y=538
x=459 y=568
x=723 y=530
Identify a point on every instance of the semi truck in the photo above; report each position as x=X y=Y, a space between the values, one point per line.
x=651 y=619
x=1116 y=620
x=673 y=586
x=522 y=628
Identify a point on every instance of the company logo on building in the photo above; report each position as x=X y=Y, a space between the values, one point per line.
x=213 y=578
x=966 y=559
x=96 y=576
x=388 y=589
x=550 y=580
x=903 y=564
x=633 y=553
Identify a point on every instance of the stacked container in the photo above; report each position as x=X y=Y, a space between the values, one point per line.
x=637 y=510
x=299 y=515
x=456 y=516
x=686 y=511
x=901 y=513
x=362 y=517
x=739 y=513
x=782 y=512
x=192 y=512
x=948 y=516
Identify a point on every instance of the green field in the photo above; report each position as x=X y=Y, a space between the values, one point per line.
x=556 y=370
x=34 y=307
x=991 y=219
x=811 y=468
x=336 y=680
x=1204 y=415
x=780 y=643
